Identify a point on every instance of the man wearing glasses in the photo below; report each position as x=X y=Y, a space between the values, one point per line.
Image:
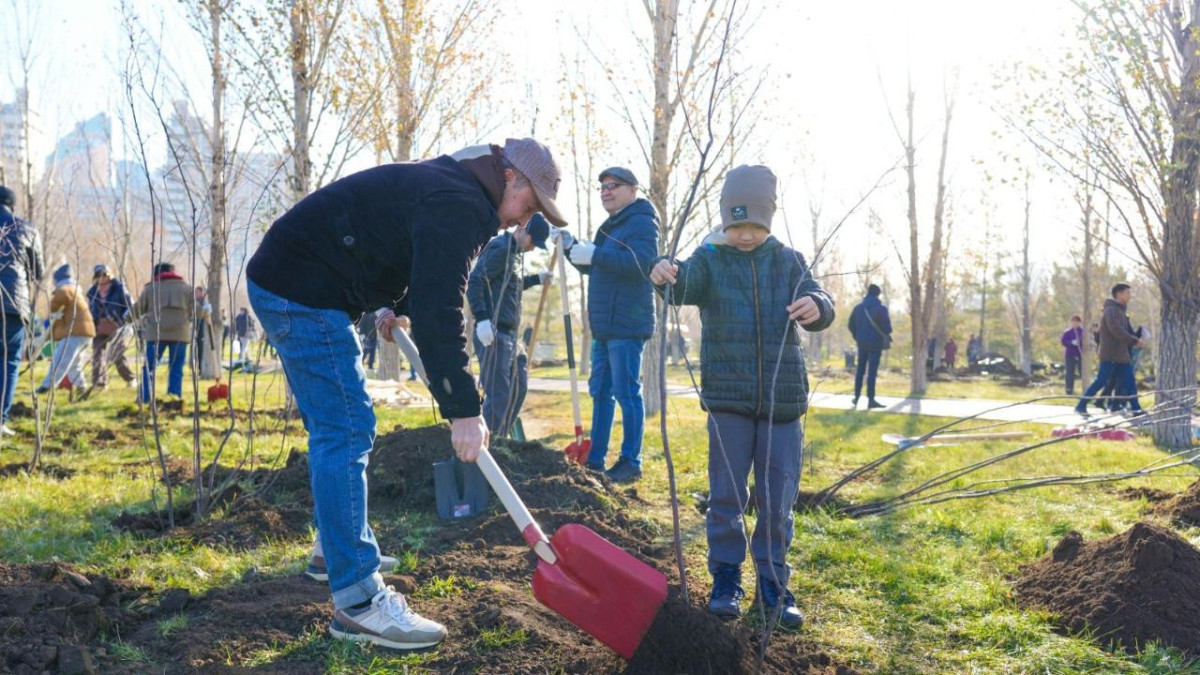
x=621 y=315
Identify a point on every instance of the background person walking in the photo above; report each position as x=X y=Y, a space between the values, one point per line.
x=1072 y=342
x=71 y=332
x=1117 y=339
x=871 y=327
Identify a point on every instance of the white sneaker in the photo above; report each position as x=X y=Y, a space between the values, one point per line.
x=6 y=430
x=316 y=566
x=389 y=622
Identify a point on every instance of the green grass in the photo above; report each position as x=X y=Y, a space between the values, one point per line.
x=921 y=590
x=172 y=625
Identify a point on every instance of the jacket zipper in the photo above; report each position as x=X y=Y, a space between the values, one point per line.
x=758 y=328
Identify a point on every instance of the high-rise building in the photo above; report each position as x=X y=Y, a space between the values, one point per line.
x=82 y=159
x=12 y=150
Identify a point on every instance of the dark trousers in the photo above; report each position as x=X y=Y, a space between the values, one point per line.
x=774 y=450
x=1125 y=385
x=370 y=347
x=14 y=344
x=104 y=347
x=505 y=381
x=868 y=364
x=1074 y=368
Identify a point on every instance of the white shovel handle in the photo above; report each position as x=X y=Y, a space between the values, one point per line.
x=410 y=352
x=516 y=508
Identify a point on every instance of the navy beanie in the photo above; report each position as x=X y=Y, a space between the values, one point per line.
x=63 y=274
x=539 y=230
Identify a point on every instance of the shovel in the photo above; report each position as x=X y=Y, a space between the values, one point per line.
x=459 y=488
x=577 y=451
x=585 y=578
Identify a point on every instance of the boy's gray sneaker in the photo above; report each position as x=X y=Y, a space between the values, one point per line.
x=316 y=566
x=388 y=622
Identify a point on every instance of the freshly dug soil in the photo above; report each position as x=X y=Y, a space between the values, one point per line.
x=50 y=614
x=52 y=471
x=495 y=624
x=1152 y=495
x=1184 y=508
x=1129 y=589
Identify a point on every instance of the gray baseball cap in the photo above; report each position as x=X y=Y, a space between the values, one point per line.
x=535 y=161
x=619 y=174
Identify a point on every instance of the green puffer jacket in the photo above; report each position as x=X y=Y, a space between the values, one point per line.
x=751 y=358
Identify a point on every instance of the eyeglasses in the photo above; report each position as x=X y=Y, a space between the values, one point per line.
x=610 y=186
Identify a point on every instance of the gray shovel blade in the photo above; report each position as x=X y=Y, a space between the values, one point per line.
x=460 y=489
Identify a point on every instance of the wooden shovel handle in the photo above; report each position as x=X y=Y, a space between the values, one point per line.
x=537 y=322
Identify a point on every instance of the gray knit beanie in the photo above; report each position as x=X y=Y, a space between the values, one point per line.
x=748 y=197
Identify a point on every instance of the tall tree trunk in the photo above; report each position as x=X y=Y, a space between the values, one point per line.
x=1178 y=278
x=917 y=379
x=665 y=14
x=1026 y=295
x=1089 y=252
x=216 y=189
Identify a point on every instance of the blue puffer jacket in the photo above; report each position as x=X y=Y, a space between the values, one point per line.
x=620 y=296
x=751 y=358
x=866 y=335
x=20 y=263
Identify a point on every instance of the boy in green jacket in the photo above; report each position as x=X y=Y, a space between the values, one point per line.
x=752 y=292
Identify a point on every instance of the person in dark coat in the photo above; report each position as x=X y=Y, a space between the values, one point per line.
x=871 y=326
x=1072 y=342
x=20 y=266
x=1117 y=338
x=369 y=337
x=950 y=354
x=621 y=317
x=111 y=308
x=398 y=238
x=494 y=294
x=753 y=292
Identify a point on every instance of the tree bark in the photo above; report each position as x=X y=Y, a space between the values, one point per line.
x=917 y=379
x=1026 y=294
x=665 y=15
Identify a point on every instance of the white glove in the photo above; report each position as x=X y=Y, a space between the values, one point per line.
x=557 y=233
x=485 y=332
x=547 y=278
x=581 y=252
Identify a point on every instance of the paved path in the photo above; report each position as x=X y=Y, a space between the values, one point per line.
x=1006 y=411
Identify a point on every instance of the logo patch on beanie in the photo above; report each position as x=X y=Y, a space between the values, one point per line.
x=737 y=212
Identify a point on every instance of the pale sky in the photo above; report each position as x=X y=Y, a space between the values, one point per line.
x=829 y=132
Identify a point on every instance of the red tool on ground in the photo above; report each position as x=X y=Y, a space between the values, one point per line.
x=603 y=590
x=218 y=392
x=577 y=451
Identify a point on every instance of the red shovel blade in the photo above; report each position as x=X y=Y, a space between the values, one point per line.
x=578 y=451
x=218 y=392
x=603 y=590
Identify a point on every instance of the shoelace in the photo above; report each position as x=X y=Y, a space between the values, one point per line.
x=394 y=605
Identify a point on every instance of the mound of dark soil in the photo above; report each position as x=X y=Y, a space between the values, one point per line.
x=1128 y=589
x=52 y=471
x=49 y=613
x=20 y=409
x=1183 y=508
x=263 y=504
x=1152 y=495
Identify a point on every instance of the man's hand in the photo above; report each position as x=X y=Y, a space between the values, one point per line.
x=557 y=233
x=485 y=332
x=1140 y=344
x=469 y=435
x=385 y=321
x=547 y=278
x=664 y=272
x=805 y=310
x=581 y=253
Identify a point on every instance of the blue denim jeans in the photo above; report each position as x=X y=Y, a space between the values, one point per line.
x=176 y=357
x=322 y=358
x=868 y=364
x=617 y=378
x=14 y=346
x=1121 y=374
